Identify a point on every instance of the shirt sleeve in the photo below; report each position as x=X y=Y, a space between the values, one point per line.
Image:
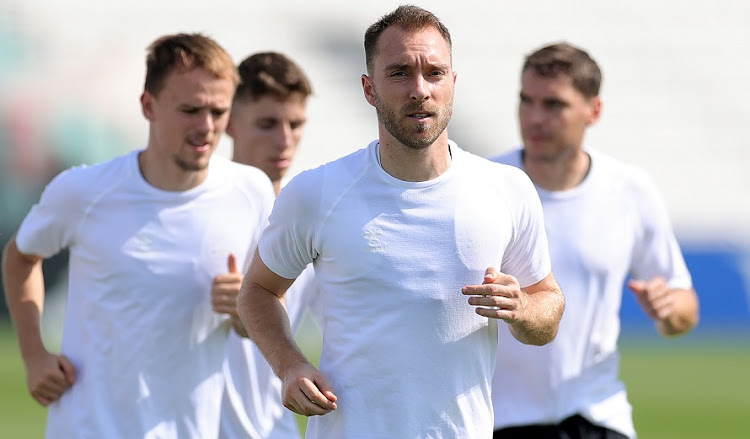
x=656 y=251
x=287 y=245
x=527 y=257
x=263 y=197
x=50 y=225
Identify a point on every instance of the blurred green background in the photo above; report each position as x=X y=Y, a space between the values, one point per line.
x=680 y=389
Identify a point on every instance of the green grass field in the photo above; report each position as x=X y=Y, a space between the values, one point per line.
x=20 y=416
x=680 y=390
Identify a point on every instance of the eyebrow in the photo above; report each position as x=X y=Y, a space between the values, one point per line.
x=405 y=66
x=396 y=66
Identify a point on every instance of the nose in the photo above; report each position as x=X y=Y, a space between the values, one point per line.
x=532 y=114
x=420 y=89
x=284 y=136
x=205 y=121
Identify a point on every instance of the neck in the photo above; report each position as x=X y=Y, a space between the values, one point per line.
x=170 y=178
x=409 y=164
x=560 y=174
x=276 y=186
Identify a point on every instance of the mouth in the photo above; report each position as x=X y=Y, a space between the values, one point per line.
x=281 y=162
x=420 y=116
x=419 y=112
x=534 y=136
x=199 y=145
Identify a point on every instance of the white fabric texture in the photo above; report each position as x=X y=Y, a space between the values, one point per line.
x=252 y=406
x=612 y=225
x=405 y=353
x=139 y=328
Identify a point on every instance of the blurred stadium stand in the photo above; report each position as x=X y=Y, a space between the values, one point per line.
x=674 y=97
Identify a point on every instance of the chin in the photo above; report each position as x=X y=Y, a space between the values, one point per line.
x=536 y=154
x=193 y=166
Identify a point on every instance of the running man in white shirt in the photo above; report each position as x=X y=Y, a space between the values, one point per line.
x=142 y=348
x=419 y=248
x=605 y=221
x=266 y=125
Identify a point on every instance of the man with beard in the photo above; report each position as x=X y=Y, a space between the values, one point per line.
x=142 y=350
x=399 y=234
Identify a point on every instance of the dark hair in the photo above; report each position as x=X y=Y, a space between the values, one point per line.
x=564 y=58
x=407 y=17
x=185 y=52
x=270 y=73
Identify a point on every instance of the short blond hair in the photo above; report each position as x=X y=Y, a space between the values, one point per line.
x=186 y=52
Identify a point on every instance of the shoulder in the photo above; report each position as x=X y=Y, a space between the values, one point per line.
x=350 y=166
x=246 y=177
x=247 y=182
x=503 y=184
x=511 y=157
x=502 y=164
x=333 y=175
x=494 y=173
x=85 y=181
x=624 y=176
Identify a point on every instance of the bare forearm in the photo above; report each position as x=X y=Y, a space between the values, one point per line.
x=684 y=317
x=239 y=328
x=267 y=324
x=24 y=294
x=542 y=318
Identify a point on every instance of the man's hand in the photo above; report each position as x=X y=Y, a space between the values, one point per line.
x=498 y=297
x=306 y=391
x=48 y=376
x=653 y=296
x=675 y=310
x=224 y=291
x=532 y=313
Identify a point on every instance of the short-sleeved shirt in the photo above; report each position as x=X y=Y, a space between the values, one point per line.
x=405 y=353
x=612 y=225
x=139 y=327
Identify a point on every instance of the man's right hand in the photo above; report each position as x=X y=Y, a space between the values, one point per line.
x=48 y=376
x=306 y=391
x=225 y=288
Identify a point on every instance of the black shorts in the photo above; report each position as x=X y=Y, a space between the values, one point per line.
x=574 y=427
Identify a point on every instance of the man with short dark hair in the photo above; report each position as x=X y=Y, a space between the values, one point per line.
x=605 y=221
x=266 y=125
x=399 y=234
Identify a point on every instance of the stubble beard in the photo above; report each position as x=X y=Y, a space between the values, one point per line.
x=426 y=133
x=189 y=166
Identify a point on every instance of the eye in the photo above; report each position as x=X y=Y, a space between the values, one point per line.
x=267 y=124
x=218 y=112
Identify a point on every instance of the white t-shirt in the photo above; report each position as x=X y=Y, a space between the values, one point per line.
x=611 y=225
x=405 y=353
x=252 y=407
x=139 y=326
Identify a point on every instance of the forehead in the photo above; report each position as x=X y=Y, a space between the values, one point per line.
x=270 y=105
x=558 y=84
x=397 y=45
x=198 y=84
